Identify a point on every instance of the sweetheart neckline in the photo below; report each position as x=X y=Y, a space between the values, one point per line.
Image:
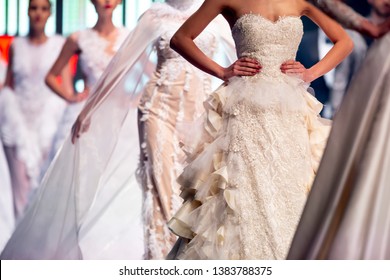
x=273 y=22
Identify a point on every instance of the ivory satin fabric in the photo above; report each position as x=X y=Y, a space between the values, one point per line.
x=347 y=212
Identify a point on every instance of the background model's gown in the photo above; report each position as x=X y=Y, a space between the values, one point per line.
x=171 y=101
x=118 y=234
x=244 y=192
x=96 y=53
x=347 y=215
x=29 y=115
x=81 y=211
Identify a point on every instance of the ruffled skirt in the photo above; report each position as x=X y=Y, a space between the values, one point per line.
x=250 y=172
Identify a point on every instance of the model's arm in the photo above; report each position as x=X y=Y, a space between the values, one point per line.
x=60 y=67
x=67 y=79
x=349 y=18
x=343 y=44
x=183 y=43
x=9 y=78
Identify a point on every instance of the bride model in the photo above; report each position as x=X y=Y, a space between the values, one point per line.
x=93 y=209
x=29 y=111
x=246 y=186
x=95 y=47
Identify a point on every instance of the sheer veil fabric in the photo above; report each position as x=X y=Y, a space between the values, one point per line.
x=71 y=216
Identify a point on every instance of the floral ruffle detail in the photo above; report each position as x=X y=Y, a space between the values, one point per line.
x=318 y=129
x=208 y=186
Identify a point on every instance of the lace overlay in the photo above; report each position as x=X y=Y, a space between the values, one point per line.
x=245 y=188
x=275 y=193
x=268 y=49
x=172 y=100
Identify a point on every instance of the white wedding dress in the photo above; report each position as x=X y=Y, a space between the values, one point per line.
x=245 y=187
x=88 y=205
x=29 y=116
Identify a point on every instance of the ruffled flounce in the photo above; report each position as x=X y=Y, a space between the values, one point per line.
x=210 y=216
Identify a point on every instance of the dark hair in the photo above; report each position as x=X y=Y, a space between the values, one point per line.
x=48 y=1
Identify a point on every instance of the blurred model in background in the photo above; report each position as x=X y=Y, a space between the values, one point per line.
x=30 y=112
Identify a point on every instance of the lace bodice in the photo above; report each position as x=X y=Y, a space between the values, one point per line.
x=271 y=43
x=97 y=52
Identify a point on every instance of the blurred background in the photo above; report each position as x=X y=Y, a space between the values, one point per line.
x=69 y=16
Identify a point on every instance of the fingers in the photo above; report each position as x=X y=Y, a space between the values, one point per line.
x=78 y=128
x=75 y=133
x=248 y=63
x=246 y=67
x=85 y=126
x=292 y=66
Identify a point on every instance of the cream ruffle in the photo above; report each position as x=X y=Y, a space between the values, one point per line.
x=208 y=189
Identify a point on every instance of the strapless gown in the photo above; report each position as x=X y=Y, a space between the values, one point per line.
x=249 y=175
